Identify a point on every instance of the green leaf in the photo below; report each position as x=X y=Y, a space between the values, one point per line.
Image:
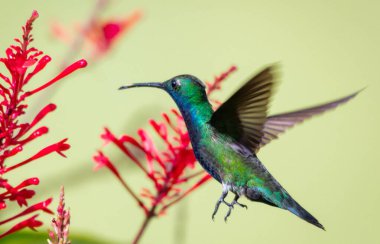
x=27 y=237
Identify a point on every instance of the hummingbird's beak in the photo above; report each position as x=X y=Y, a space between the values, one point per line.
x=148 y=84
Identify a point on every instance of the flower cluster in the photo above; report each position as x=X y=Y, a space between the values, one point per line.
x=60 y=234
x=104 y=33
x=23 y=63
x=166 y=169
x=99 y=35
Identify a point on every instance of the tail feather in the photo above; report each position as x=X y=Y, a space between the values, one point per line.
x=298 y=210
x=284 y=201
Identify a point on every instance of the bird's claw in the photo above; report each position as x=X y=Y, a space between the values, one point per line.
x=213 y=215
x=216 y=208
x=229 y=205
x=239 y=204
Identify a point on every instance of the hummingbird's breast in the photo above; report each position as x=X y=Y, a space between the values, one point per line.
x=219 y=156
x=201 y=137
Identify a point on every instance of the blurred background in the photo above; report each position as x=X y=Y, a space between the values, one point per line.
x=330 y=164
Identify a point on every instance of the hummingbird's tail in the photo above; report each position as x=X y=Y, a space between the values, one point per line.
x=291 y=205
x=283 y=200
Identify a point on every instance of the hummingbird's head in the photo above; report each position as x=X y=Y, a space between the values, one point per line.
x=184 y=89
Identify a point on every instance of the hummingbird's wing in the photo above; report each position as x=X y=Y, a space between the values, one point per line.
x=243 y=115
x=279 y=123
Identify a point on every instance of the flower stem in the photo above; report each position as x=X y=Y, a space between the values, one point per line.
x=148 y=218
x=151 y=213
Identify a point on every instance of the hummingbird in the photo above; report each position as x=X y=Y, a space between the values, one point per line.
x=226 y=141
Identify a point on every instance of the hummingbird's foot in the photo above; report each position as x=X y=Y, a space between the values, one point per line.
x=231 y=206
x=235 y=201
x=220 y=200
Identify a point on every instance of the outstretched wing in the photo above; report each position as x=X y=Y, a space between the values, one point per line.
x=278 y=124
x=243 y=115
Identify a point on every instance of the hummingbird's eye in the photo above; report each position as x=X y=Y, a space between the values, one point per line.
x=176 y=84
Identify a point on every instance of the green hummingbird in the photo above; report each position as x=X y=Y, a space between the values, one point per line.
x=226 y=141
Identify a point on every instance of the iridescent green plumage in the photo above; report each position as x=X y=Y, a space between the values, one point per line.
x=226 y=141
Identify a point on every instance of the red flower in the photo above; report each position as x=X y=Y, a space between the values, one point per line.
x=99 y=35
x=105 y=33
x=166 y=169
x=22 y=63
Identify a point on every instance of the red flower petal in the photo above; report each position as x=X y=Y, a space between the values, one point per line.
x=40 y=65
x=58 y=147
x=43 y=206
x=46 y=110
x=73 y=67
x=31 y=223
x=37 y=133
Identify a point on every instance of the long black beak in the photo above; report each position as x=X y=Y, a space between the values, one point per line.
x=148 y=84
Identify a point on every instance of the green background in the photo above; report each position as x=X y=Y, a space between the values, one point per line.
x=327 y=49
